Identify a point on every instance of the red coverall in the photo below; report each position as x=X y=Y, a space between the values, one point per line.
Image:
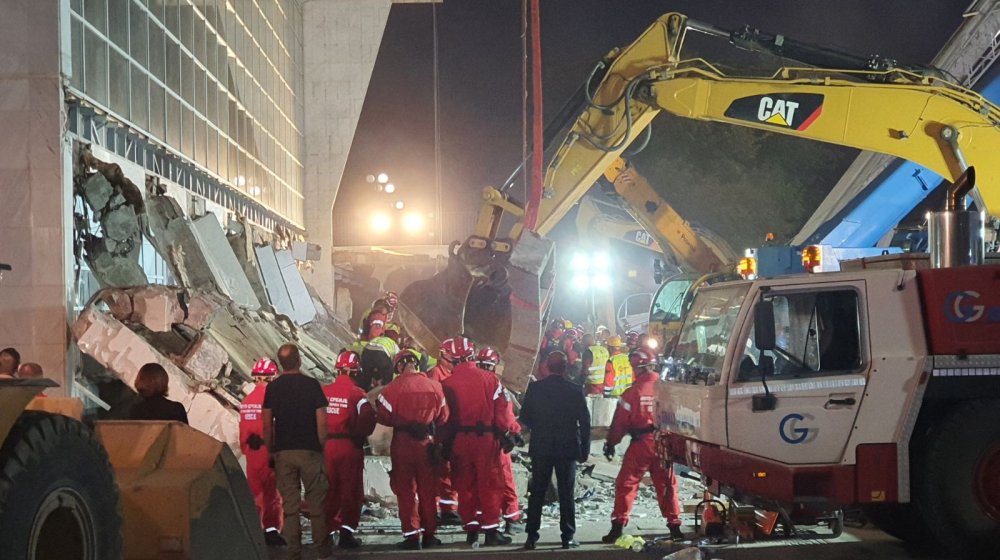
x=409 y=403
x=349 y=420
x=260 y=476
x=510 y=505
x=634 y=416
x=480 y=407
x=447 y=496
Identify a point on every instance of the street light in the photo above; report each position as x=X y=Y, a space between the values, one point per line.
x=390 y=188
x=398 y=205
x=590 y=275
x=383 y=178
x=413 y=222
x=381 y=223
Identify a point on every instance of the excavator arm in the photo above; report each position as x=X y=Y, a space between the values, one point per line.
x=498 y=286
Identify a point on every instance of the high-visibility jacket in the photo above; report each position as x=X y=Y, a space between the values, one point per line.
x=600 y=357
x=384 y=344
x=619 y=375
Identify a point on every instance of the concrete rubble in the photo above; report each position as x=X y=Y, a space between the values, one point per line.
x=209 y=330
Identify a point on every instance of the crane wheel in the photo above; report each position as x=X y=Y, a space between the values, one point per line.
x=902 y=521
x=957 y=489
x=58 y=496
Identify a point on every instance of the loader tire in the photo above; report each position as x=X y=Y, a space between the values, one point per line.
x=958 y=487
x=58 y=496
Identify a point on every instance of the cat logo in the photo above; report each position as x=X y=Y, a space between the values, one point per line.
x=788 y=110
x=778 y=111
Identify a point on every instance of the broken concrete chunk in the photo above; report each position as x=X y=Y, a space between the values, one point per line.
x=376 y=481
x=303 y=310
x=156 y=307
x=201 y=308
x=205 y=359
x=119 y=303
x=97 y=192
x=114 y=271
x=121 y=225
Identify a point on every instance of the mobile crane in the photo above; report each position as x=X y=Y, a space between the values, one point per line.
x=873 y=455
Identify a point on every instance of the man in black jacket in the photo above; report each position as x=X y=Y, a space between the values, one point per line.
x=555 y=411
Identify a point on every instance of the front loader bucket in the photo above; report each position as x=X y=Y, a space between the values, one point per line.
x=505 y=310
x=184 y=495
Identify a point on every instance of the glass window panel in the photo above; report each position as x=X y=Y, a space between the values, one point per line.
x=173 y=55
x=76 y=6
x=199 y=140
x=137 y=29
x=96 y=67
x=187 y=132
x=77 y=54
x=172 y=16
x=222 y=112
x=96 y=12
x=212 y=54
x=157 y=52
x=118 y=22
x=200 y=90
x=119 y=84
x=140 y=97
x=234 y=162
x=211 y=149
x=187 y=78
x=173 y=119
x=157 y=107
x=199 y=38
x=187 y=24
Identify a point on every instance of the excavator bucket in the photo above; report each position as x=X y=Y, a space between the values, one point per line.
x=496 y=300
x=184 y=495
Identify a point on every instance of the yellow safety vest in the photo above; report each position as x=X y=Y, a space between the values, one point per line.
x=384 y=344
x=623 y=374
x=595 y=374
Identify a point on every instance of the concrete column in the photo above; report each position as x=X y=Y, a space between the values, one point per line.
x=35 y=192
x=340 y=41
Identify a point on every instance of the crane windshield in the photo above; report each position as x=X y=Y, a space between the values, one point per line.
x=704 y=338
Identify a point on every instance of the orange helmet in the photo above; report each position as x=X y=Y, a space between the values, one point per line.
x=641 y=358
x=348 y=361
x=457 y=349
x=264 y=368
x=488 y=358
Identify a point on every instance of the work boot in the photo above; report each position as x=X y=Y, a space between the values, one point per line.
x=450 y=518
x=511 y=527
x=412 y=543
x=347 y=540
x=471 y=537
x=273 y=538
x=429 y=541
x=613 y=534
x=675 y=532
x=493 y=538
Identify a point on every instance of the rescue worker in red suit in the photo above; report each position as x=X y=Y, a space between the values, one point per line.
x=414 y=406
x=447 y=496
x=481 y=414
x=350 y=419
x=634 y=416
x=260 y=476
x=510 y=506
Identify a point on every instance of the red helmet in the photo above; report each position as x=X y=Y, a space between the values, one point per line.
x=632 y=338
x=641 y=358
x=264 y=368
x=457 y=349
x=488 y=357
x=348 y=361
x=404 y=357
x=392 y=299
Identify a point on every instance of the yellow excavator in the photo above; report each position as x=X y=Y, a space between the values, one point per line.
x=497 y=286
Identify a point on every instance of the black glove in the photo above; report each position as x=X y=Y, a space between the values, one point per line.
x=507 y=442
x=518 y=440
x=609 y=451
x=255 y=442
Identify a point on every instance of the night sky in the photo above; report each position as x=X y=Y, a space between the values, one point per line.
x=480 y=75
